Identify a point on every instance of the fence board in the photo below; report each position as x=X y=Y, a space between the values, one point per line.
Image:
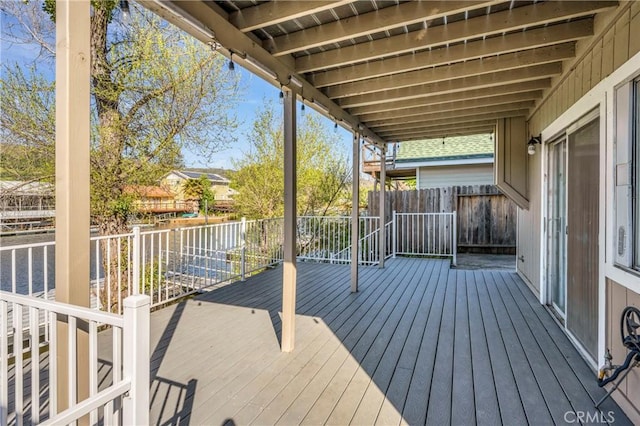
x=486 y=218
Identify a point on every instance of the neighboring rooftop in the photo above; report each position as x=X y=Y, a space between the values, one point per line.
x=22 y=188
x=448 y=148
x=195 y=174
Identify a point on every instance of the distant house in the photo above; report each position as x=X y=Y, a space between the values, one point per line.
x=174 y=180
x=443 y=162
x=156 y=199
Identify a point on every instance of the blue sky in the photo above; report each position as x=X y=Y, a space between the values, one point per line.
x=253 y=94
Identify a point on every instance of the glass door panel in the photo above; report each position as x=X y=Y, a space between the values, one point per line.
x=556 y=225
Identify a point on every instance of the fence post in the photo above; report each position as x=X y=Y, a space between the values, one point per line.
x=394 y=232
x=136 y=260
x=243 y=249
x=136 y=359
x=454 y=243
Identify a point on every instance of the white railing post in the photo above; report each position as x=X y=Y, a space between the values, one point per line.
x=243 y=249
x=136 y=359
x=394 y=232
x=454 y=243
x=136 y=260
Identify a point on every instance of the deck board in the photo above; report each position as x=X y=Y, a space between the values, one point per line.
x=419 y=343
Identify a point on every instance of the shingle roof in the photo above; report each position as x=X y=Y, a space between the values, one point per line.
x=450 y=148
x=196 y=175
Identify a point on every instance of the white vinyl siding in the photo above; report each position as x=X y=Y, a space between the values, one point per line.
x=469 y=174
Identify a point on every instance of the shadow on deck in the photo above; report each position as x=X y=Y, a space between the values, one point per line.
x=420 y=343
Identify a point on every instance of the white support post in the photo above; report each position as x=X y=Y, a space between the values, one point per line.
x=355 y=214
x=136 y=359
x=73 y=60
x=394 y=230
x=454 y=243
x=243 y=249
x=381 y=236
x=289 y=268
x=136 y=261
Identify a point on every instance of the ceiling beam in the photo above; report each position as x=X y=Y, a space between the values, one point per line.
x=509 y=61
x=430 y=99
x=508 y=43
x=244 y=47
x=452 y=121
x=441 y=130
x=454 y=85
x=452 y=132
x=372 y=22
x=275 y=12
x=371 y=119
x=380 y=126
x=496 y=23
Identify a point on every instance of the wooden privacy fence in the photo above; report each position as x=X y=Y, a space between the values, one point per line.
x=486 y=217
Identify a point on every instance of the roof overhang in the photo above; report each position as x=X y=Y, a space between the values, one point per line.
x=398 y=70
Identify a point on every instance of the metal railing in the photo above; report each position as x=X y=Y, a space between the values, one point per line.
x=169 y=264
x=425 y=234
x=29 y=379
x=328 y=238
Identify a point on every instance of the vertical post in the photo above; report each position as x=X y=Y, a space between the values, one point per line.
x=383 y=177
x=454 y=243
x=136 y=261
x=355 y=214
x=394 y=230
x=73 y=57
x=243 y=248
x=136 y=359
x=289 y=268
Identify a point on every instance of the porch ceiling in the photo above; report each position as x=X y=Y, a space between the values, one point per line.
x=400 y=70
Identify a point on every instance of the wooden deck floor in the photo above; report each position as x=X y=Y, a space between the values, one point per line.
x=420 y=343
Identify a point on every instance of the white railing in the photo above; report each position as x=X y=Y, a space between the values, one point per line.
x=164 y=264
x=328 y=238
x=172 y=263
x=425 y=234
x=29 y=371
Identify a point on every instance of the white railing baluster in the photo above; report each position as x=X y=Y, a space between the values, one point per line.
x=97 y=275
x=34 y=334
x=14 y=286
x=53 y=369
x=454 y=245
x=30 y=270
x=119 y=268
x=136 y=260
x=4 y=363
x=19 y=364
x=72 y=370
x=93 y=367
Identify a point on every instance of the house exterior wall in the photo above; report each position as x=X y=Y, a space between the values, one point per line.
x=601 y=64
x=529 y=229
x=460 y=175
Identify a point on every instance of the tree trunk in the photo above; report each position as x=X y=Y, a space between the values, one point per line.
x=107 y=186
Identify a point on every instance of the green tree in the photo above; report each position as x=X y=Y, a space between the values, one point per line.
x=155 y=92
x=199 y=190
x=322 y=168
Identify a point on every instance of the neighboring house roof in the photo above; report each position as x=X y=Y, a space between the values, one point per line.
x=148 y=191
x=22 y=188
x=188 y=174
x=472 y=147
